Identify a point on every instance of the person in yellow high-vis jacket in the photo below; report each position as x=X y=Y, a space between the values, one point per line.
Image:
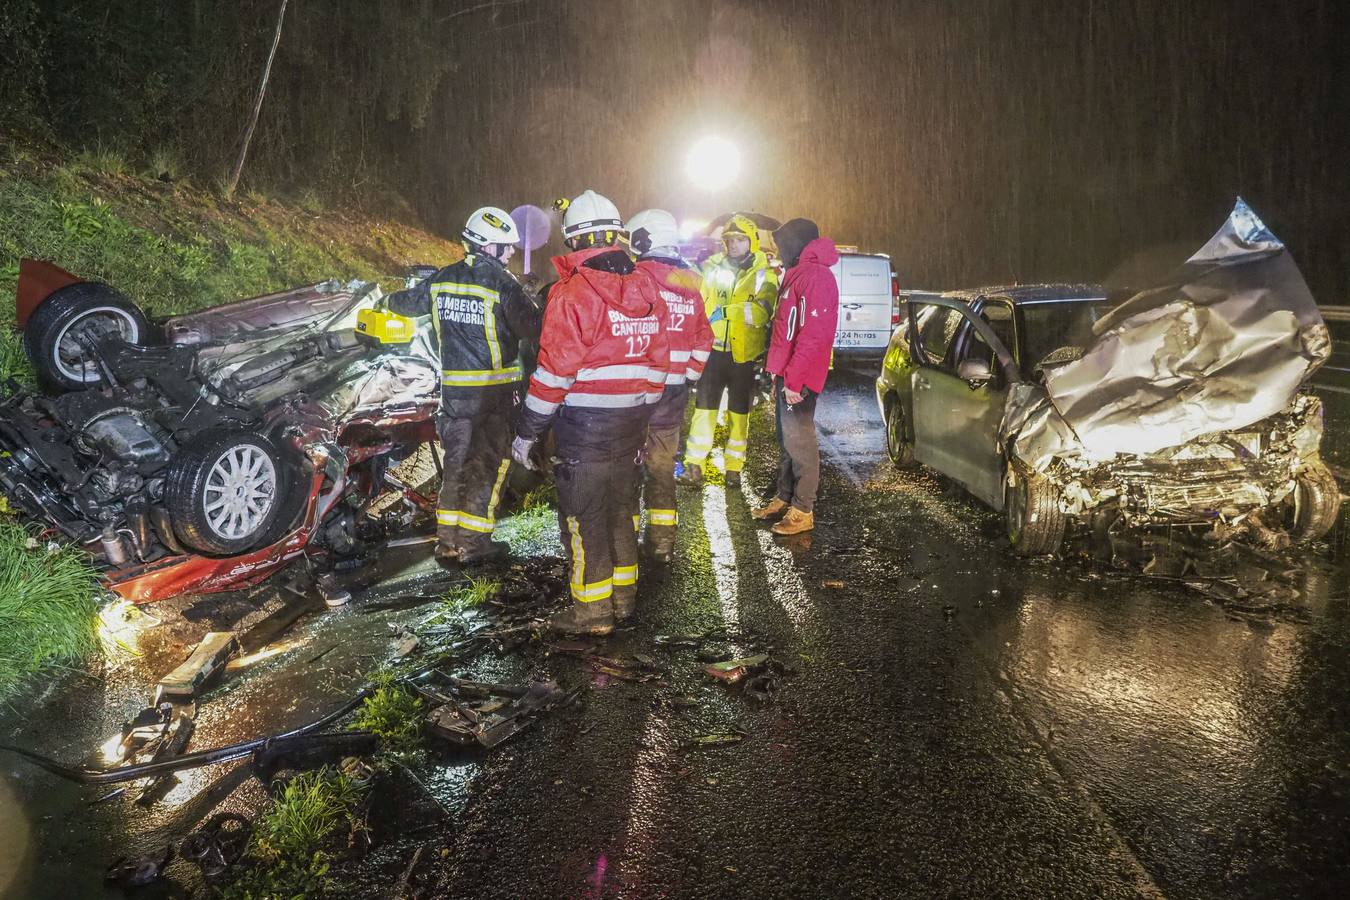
x=740 y=290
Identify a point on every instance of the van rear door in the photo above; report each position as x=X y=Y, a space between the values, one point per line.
x=864 y=302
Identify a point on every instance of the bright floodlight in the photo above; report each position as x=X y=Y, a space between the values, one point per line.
x=713 y=163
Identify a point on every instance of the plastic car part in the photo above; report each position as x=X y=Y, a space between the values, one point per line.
x=1315 y=503
x=225 y=490
x=1035 y=518
x=899 y=447
x=58 y=333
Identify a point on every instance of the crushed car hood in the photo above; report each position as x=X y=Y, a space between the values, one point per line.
x=1227 y=342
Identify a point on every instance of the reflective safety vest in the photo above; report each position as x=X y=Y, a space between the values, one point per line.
x=480 y=314
x=740 y=304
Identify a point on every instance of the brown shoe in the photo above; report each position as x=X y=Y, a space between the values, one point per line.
x=795 y=522
x=772 y=510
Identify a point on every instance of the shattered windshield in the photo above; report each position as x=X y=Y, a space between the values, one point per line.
x=1054 y=325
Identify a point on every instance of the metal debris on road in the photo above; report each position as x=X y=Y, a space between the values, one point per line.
x=468 y=712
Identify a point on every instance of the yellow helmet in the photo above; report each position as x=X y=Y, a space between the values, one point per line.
x=743 y=225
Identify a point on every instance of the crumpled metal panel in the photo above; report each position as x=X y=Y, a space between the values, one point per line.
x=1227 y=343
x=389 y=380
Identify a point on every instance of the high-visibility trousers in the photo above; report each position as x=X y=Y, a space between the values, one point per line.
x=477 y=453
x=737 y=381
x=598 y=522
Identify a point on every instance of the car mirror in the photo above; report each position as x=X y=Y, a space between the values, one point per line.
x=975 y=372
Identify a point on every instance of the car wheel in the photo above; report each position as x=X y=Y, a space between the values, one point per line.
x=898 y=446
x=1314 y=505
x=1035 y=518
x=56 y=332
x=225 y=490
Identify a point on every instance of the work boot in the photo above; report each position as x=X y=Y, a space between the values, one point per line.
x=596 y=617
x=692 y=476
x=732 y=479
x=484 y=553
x=447 y=555
x=795 y=522
x=624 y=604
x=771 y=510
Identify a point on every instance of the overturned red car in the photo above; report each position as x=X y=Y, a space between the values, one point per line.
x=203 y=452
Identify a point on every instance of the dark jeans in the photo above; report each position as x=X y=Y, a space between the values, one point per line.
x=798 y=450
x=477 y=454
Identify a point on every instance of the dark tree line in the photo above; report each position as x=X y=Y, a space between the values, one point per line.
x=980 y=141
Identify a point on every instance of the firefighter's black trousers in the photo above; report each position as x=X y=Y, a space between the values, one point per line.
x=598 y=479
x=477 y=454
x=663 y=443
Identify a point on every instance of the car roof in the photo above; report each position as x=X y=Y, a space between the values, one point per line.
x=1034 y=293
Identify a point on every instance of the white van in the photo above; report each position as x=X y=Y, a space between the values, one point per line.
x=869 y=304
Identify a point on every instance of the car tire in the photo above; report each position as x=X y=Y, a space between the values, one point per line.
x=1315 y=504
x=899 y=447
x=225 y=491
x=48 y=336
x=1034 y=515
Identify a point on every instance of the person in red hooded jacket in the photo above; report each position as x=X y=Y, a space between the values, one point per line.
x=603 y=361
x=654 y=236
x=799 y=360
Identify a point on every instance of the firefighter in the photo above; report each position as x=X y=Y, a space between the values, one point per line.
x=739 y=292
x=654 y=236
x=480 y=314
x=603 y=361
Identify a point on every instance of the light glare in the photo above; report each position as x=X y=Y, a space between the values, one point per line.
x=713 y=163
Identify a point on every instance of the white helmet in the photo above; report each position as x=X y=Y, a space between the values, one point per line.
x=652 y=228
x=590 y=213
x=491 y=225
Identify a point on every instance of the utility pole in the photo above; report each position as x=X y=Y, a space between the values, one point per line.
x=257 y=104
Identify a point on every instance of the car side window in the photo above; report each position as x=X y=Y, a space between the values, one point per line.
x=999 y=316
x=937 y=333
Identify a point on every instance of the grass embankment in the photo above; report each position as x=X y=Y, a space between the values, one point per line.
x=47 y=607
x=170 y=246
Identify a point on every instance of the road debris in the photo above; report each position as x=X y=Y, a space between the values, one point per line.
x=715 y=740
x=468 y=713
x=733 y=670
x=138 y=871
x=170 y=747
x=206 y=660
x=636 y=668
x=218 y=844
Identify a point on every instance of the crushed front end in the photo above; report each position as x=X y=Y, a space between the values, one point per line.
x=1217 y=478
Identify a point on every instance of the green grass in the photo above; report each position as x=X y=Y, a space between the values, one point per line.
x=292 y=844
x=174 y=247
x=48 y=611
x=393 y=714
x=474 y=594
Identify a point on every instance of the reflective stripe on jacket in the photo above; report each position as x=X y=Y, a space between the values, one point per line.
x=604 y=345
x=691 y=337
x=740 y=304
x=480 y=314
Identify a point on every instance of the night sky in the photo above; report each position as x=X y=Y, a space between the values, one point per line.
x=976 y=142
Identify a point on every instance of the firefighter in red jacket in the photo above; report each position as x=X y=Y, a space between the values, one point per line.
x=799 y=359
x=654 y=236
x=603 y=361
x=481 y=314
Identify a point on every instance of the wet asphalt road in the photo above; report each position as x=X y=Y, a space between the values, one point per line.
x=960 y=723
